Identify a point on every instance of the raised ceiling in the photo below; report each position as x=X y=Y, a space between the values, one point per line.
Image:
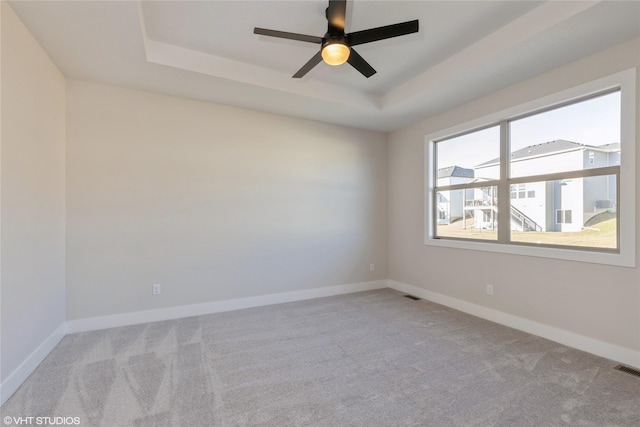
x=206 y=50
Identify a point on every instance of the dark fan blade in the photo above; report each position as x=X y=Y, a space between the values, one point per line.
x=381 y=33
x=285 y=35
x=336 y=13
x=360 y=64
x=309 y=65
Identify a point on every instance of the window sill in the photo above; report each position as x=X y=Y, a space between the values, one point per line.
x=592 y=257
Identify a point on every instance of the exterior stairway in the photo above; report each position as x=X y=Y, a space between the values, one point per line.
x=521 y=222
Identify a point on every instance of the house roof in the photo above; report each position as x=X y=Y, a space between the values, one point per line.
x=455 y=171
x=556 y=146
x=610 y=148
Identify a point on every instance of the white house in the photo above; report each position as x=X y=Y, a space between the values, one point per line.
x=564 y=205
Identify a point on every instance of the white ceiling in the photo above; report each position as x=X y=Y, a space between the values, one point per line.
x=206 y=50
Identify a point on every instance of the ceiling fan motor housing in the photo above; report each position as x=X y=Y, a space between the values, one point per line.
x=330 y=38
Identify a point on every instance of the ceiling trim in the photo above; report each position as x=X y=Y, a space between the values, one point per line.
x=525 y=27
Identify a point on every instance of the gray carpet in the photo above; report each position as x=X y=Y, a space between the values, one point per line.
x=367 y=359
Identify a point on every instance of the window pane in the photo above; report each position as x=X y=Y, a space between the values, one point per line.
x=569 y=212
x=468 y=213
x=579 y=136
x=457 y=158
x=567 y=217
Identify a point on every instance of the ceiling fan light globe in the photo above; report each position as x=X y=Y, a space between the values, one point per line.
x=335 y=53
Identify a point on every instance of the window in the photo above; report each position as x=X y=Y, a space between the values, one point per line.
x=541 y=177
x=547 y=151
x=522 y=192
x=563 y=217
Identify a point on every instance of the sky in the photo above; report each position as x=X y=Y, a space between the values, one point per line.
x=592 y=122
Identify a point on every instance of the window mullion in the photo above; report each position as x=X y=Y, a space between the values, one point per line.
x=468 y=186
x=583 y=173
x=504 y=199
x=434 y=193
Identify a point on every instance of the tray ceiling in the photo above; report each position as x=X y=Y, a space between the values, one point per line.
x=206 y=50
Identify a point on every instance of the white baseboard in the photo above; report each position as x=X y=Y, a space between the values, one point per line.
x=17 y=377
x=125 y=319
x=600 y=348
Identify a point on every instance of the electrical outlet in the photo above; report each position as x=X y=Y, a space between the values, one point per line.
x=156 y=289
x=372 y=267
x=489 y=289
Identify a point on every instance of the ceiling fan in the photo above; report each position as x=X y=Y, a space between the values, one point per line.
x=336 y=46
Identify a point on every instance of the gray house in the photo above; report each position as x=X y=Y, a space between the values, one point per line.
x=450 y=203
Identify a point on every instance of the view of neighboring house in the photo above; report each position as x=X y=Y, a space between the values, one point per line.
x=450 y=203
x=560 y=205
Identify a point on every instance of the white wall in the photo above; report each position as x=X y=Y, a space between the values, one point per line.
x=32 y=195
x=596 y=301
x=213 y=202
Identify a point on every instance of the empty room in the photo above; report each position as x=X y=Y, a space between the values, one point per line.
x=319 y=213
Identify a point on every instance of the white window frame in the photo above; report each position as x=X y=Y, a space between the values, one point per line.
x=626 y=256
